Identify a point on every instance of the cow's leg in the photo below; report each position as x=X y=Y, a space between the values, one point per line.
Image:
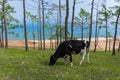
x=87 y=52
x=69 y=52
x=83 y=56
x=71 y=60
x=88 y=57
x=65 y=58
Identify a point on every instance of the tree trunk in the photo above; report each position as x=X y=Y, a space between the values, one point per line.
x=109 y=44
x=39 y=11
x=43 y=25
x=33 y=33
x=25 y=31
x=119 y=47
x=60 y=20
x=90 y=31
x=116 y=26
x=5 y=26
x=72 y=23
x=57 y=30
x=82 y=29
x=38 y=30
x=2 y=42
x=66 y=20
x=51 y=42
x=106 y=36
x=96 y=28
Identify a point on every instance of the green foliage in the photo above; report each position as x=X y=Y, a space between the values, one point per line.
x=13 y=26
x=15 y=34
x=84 y=16
x=109 y=35
x=9 y=9
x=33 y=17
x=11 y=22
x=54 y=35
x=115 y=10
x=11 y=19
x=49 y=13
x=106 y=13
x=33 y=34
x=17 y=64
x=55 y=7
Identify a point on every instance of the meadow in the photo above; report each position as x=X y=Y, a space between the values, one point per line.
x=17 y=64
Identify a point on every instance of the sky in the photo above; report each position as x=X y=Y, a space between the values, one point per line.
x=17 y=4
x=111 y=3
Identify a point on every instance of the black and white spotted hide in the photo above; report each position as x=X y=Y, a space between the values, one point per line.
x=67 y=48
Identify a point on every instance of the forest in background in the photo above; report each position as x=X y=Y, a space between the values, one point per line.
x=100 y=15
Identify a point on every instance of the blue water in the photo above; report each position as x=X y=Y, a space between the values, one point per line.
x=77 y=32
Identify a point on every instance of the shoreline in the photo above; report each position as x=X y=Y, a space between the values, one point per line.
x=100 y=46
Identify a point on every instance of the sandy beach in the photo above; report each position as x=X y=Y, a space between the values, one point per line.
x=101 y=43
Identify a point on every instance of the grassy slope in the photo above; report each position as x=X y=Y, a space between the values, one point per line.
x=33 y=65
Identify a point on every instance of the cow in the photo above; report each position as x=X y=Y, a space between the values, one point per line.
x=69 y=47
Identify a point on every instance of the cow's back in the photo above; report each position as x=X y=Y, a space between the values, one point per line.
x=77 y=45
x=63 y=49
x=69 y=46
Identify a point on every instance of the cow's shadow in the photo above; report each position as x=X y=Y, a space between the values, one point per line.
x=62 y=63
x=58 y=63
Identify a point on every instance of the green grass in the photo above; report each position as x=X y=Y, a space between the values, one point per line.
x=16 y=64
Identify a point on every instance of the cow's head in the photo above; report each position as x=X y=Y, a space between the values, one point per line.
x=52 y=60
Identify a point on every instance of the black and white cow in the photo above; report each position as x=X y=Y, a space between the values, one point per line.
x=67 y=48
